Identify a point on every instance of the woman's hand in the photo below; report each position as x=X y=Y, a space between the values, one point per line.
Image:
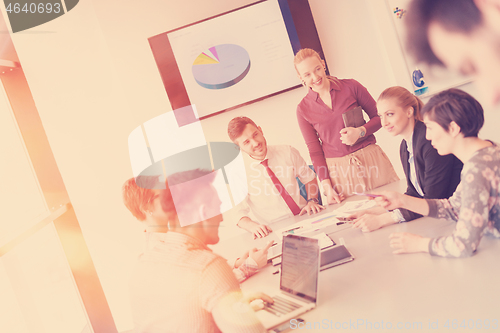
x=370 y=222
x=350 y=135
x=390 y=200
x=405 y=242
x=332 y=197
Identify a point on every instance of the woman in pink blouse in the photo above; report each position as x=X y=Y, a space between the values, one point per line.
x=346 y=159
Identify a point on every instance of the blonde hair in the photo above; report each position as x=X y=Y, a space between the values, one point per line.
x=307 y=53
x=403 y=98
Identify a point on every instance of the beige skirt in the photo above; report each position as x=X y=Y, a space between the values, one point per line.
x=361 y=171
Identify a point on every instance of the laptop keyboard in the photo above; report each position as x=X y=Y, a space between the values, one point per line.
x=281 y=306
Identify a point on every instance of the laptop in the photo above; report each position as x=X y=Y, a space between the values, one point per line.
x=298 y=282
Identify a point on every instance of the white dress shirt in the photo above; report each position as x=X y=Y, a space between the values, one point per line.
x=397 y=215
x=263 y=198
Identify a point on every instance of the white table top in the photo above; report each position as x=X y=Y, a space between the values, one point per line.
x=410 y=291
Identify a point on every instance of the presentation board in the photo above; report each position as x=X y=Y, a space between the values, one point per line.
x=235 y=58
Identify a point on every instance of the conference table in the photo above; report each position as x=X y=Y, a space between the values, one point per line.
x=383 y=291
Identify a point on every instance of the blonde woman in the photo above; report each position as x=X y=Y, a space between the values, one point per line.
x=428 y=174
x=346 y=159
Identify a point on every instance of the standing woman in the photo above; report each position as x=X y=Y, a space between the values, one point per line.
x=346 y=159
x=428 y=174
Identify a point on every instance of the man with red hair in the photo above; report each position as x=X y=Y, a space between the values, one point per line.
x=179 y=284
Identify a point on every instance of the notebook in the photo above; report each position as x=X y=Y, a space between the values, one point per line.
x=354 y=118
x=298 y=282
x=335 y=256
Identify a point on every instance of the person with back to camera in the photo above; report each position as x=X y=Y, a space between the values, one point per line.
x=463 y=35
x=346 y=159
x=453 y=119
x=178 y=284
x=428 y=174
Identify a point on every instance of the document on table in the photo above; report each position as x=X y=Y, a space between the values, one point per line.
x=275 y=251
x=354 y=206
x=320 y=222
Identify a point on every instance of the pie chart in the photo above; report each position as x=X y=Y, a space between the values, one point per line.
x=221 y=66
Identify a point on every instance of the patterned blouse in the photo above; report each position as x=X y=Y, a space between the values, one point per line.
x=475 y=206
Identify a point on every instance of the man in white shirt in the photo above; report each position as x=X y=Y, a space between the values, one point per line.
x=273 y=191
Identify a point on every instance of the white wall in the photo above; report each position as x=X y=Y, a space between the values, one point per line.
x=94 y=79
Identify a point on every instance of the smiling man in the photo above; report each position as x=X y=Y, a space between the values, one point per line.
x=273 y=191
x=463 y=35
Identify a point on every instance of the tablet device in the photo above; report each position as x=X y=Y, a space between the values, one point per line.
x=334 y=256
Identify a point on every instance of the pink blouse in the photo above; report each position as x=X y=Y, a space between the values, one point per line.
x=321 y=125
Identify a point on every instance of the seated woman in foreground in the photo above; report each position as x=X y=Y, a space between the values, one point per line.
x=453 y=119
x=428 y=174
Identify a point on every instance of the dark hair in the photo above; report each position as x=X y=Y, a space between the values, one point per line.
x=458 y=106
x=237 y=125
x=404 y=99
x=454 y=15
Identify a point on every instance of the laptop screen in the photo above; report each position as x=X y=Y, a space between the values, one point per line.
x=300 y=266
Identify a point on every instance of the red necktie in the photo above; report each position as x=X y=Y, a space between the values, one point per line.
x=284 y=194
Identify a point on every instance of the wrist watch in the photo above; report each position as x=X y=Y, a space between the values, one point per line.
x=362 y=133
x=313 y=199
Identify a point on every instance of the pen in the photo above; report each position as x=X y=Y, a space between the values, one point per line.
x=369 y=195
x=324 y=218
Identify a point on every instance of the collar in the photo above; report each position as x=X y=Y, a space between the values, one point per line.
x=311 y=94
x=176 y=238
x=268 y=156
x=409 y=144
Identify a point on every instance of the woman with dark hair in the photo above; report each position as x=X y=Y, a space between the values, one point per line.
x=346 y=158
x=428 y=174
x=453 y=119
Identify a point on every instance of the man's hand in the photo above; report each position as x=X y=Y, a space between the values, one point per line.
x=405 y=242
x=311 y=208
x=258 y=230
x=257 y=299
x=241 y=260
x=260 y=256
